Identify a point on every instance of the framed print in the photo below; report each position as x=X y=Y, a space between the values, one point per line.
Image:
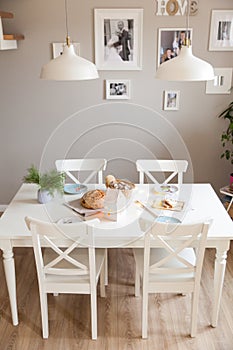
x=221 y=30
x=171 y=100
x=118 y=89
x=58 y=49
x=170 y=41
x=118 y=39
x=221 y=83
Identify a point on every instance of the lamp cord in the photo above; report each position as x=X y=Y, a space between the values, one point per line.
x=67 y=31
x=187 y=41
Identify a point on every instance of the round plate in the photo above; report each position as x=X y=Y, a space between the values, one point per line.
x=169 y=188
x=168 y=219
x=69 y=220
x=74 y=188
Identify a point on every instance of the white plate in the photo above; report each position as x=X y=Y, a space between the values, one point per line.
x=69 y=220
x=169 y=188
x=77 y=206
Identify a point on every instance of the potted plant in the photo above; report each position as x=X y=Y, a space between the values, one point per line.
x=49 y=183
x=227 y=135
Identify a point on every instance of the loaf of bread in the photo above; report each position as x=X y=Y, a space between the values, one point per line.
x=93 y=199
x=112 y=182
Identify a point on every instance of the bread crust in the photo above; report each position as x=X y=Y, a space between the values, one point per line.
x=93 y=199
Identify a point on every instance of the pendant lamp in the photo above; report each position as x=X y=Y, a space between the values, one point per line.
x=69 y=66
x=186 y=66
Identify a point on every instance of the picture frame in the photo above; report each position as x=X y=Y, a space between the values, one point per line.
x=117 y=89
x=58 y=48
x=171 y=38
x=118 y=39
x=221 y=83
x=221 y=30
x=171 y=100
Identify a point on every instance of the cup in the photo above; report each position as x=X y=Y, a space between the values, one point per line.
x=110 y=204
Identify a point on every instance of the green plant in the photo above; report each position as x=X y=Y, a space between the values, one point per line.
x=32 y=176
x=227 y=135
x=50 y=181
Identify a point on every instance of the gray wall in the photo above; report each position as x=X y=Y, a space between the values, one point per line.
x=42 y=121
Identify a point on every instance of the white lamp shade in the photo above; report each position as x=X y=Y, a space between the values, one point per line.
x=185 y=67
x=69 y=66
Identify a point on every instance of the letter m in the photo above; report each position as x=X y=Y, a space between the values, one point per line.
x=182 y=6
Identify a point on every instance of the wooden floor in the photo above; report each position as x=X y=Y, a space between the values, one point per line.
x=119 y=323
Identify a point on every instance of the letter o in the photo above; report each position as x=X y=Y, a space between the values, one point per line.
x=172 y=7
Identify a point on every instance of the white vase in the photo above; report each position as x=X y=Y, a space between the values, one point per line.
x=43 y=196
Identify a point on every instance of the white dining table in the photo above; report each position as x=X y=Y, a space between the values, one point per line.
x=200 y=203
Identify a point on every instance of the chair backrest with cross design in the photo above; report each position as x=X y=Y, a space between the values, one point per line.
x=74 y=168
x=169 y=168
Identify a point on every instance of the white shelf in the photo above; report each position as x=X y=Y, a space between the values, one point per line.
x=8 y=44
x=8 y=41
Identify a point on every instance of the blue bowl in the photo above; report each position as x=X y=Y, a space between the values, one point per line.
x=168 y=219
x=75 y=188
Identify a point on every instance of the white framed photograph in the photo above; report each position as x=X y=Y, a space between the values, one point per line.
x=118 y=89
x=221 y=30
x=118 y=39
x=171 y=100
x=58 y=49
x=170 y=41
x=221 y=83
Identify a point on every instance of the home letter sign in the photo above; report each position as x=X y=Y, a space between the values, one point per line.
x=176 y=7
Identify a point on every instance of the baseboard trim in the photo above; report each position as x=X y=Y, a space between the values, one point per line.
x=3 y=207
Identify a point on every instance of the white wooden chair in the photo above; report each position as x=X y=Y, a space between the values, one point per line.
x=175 y=267
x=76 y=166
x=69 y=264
x=174 y=167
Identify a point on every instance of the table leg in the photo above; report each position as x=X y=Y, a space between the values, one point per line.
x=9 y=267
x=219 y=272
x=229 y=205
